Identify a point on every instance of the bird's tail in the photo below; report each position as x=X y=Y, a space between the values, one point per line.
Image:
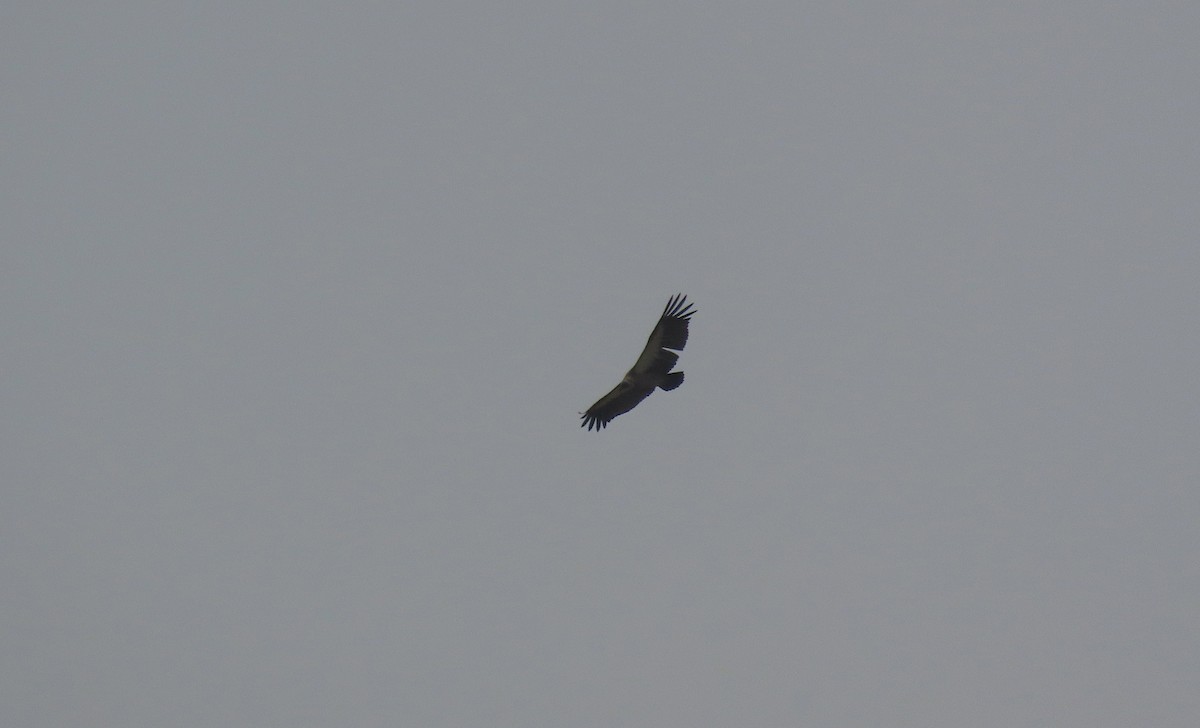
x=671 y=381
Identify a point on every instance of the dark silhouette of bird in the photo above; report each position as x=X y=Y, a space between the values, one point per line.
x=653 y=367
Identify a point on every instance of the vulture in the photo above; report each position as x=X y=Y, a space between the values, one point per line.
x=653 y=367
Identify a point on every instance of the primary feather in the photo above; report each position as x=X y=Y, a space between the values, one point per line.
x=652 y=369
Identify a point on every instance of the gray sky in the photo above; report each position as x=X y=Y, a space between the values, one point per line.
x=300 y=302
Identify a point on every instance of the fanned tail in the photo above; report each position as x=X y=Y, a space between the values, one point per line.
x=671 y=381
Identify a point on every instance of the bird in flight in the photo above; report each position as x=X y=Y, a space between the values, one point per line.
x=653 y=367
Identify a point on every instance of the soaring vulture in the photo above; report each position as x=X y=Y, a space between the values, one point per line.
x=653 y=367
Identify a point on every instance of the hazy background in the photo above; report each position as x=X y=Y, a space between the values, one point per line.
x=300 y=300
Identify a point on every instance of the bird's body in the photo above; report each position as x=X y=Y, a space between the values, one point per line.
x=652 y=369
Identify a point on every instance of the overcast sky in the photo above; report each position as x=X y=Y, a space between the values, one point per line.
x=300 y=302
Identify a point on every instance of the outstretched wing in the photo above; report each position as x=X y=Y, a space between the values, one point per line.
x=651 y=369
x=624 y=397
x=671 y=332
